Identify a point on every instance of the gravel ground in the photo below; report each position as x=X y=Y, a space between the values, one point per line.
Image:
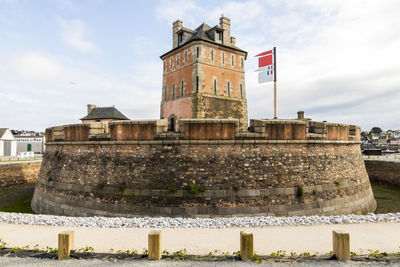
x=166 y=222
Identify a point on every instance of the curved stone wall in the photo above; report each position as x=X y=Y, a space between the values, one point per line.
x=203 y=178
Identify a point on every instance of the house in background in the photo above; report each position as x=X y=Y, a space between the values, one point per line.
x=8 y=145
x=102 y=114
x=30 y=143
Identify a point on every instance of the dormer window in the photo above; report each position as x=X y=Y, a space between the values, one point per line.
x=180 y=38
x=219 y=36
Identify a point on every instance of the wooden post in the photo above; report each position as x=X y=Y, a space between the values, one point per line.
x=154 y=245
x=65 y=244
x=246 y=245
x=341 y=245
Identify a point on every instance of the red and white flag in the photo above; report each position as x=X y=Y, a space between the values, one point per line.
x=266 y=66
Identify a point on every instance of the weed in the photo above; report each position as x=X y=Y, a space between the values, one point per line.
x=300 y=191
x=194 y=188
x=278 y=254
x=100 y=186
x=58 y=155
x=121 y=188
x=305 y=254
x=352 y=253
x=87 y=249
x=145 y=251
x=16 y=249
x=36 y=248
x=180 y=253
x=165 y=252
x=376 y=253
x=50 y=250
x=293 y=254
x=3 y=243
x=236 y=188
x=337 y=182
x=237 y=253
x=256 y=258
x=211 y=253
x=172 y=189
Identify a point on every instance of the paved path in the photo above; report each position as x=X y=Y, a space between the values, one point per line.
x=384 y=237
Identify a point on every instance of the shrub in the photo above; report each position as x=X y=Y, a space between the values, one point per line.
x=194 y=188
x=100 y=186
x=236 y=188
x=300 y=191
x=172 y=188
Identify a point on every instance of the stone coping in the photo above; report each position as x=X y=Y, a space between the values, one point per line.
x=197 y=121
x=144 y=122
x=204 y=142
x=261 y=122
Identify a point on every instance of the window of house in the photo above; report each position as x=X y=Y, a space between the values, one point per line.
x=233 y=60
x=212 y=55
x=215 y=87
x=182 y=88
x=241 y=91
x=197 y=51
x=173 y=91
x=229 y=89
x=241 y=62
x=219 y=36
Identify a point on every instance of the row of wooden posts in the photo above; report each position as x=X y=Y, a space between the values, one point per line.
x=341 y=245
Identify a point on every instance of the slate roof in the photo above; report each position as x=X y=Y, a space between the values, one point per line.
x=105 y=113
x=203 y=32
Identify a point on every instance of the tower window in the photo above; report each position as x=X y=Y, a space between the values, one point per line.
x=182 y=88
x=233 y=60
x=173 y=91
x=229 y=89
x=186 y=59
x=241 y=91
x=180 y=38
x=170 y=63
x=177 y=60
x=223 y=58
x=197 y=83
x=242 y=62
x=212 y=55
x=197 y=52
x=165 y=92
x=215 y=87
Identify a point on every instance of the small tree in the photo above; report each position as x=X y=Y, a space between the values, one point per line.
x=376 y=130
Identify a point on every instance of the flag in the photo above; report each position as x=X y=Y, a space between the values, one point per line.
x=267 y=66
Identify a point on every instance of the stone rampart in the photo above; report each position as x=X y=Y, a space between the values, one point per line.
x=386 y=172
x=208 y=168
x=18 y=173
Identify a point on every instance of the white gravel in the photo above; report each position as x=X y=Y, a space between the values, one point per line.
x=166 y=222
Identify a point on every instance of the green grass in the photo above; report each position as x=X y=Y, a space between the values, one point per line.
x=22 y=205
x=387 y=197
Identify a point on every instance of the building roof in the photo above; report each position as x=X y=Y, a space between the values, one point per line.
x=105 y=113
x=203 y=33
x=2 y=131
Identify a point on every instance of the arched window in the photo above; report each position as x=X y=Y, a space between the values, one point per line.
x=171 y=123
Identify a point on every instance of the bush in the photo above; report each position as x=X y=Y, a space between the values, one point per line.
x=194 y=188
x=300 y=191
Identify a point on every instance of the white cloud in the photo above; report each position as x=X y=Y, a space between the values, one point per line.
x=36 y=66
x=73 y=32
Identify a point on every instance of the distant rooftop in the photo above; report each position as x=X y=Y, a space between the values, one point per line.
x=99 y=113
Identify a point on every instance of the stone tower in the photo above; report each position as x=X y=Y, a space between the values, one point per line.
x=203 y=75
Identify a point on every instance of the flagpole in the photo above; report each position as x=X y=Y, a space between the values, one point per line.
x=275 y=115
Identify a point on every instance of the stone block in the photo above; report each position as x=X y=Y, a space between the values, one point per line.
x=341 y=245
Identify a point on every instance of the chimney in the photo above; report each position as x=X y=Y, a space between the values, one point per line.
x=176 y=26
x=233 y=40
x=225 y=23
x=300 y=115
x=90 y=107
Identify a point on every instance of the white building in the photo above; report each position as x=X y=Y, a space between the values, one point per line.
x=32 y=143
x=8 y=145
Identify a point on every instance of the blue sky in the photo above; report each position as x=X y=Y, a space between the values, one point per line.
x=337 y=60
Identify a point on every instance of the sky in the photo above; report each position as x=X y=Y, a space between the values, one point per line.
x=337 y=60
